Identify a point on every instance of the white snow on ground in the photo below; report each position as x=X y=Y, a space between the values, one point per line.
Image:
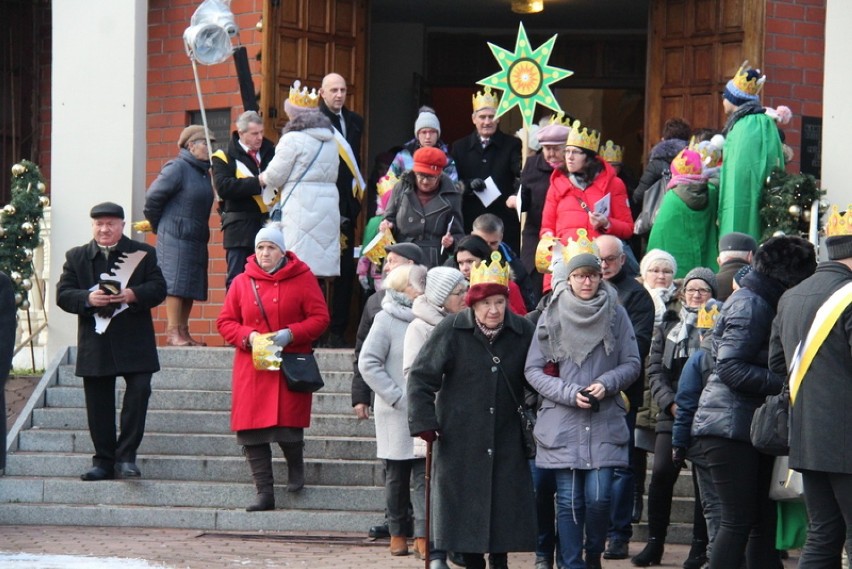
x=33 y=561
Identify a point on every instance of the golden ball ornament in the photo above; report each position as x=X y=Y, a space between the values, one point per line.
x=28 y=255
x=19 y=170
x=41 y=187
x=28 y=228
x=44 y=201
x=16 y=277
x=18 y=298
x=2 y=232
x=9 y=209
x=26 y=284
x=806 y=215
x=779 y=233
x=25 y=304
x=795 y=210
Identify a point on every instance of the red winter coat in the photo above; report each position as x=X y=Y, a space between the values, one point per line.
x=563 y=215
x=292 y=299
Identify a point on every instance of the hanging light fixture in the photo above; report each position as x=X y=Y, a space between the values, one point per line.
x=527 y=6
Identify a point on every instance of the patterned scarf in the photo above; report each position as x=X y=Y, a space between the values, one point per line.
x=489 y=333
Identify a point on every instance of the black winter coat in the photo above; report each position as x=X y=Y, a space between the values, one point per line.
x=660 y=159
x=535 y=181
x=242 y=216
x=128 y=345
x=637 y=301
x=742 y=379
x=821 y=423
x=482 y=488
x=350 y=207
x=501 y=160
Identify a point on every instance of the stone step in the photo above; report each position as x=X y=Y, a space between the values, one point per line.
x=188 y=518
x=197 y=445
x=211 y=422
x=198 y=400
x=205 y=379
x=223 y=358
x=180 y=494
x=318 y=471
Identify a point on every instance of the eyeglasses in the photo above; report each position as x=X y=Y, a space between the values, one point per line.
x=199 y=141
x=425 y=177
x=698 y=291
x=574 y=152
x=580 y=278
x=461 y=292
x=610 y=259
x=661 y=271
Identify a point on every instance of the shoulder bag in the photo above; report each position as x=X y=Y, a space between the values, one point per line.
x=300 y=371
x=526 y=415
x=651 y=201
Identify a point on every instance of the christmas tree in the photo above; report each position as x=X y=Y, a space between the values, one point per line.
x=786 y=203
x=19 y=228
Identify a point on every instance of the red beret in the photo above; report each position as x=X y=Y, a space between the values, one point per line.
x=429 y=160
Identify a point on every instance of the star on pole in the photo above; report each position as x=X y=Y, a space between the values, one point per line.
x=525 y=77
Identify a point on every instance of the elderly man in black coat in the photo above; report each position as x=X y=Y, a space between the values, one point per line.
x=111 y=284
x=8 y=325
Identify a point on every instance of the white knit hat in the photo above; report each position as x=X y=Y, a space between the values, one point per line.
x=652 y=257
x=440 y=282
x=427 y=119
x=271 y=233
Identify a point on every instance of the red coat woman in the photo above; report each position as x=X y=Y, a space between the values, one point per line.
x=263 y=410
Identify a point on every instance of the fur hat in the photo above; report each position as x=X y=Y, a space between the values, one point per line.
x=704 y=274
x=271 y=233
x=427 y=119
x=192 y=133
x=440 y=282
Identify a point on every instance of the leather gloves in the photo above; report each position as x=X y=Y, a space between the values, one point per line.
x=477 y=185
x=678 y=457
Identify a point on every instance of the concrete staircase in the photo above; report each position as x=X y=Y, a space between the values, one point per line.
x=194 y=475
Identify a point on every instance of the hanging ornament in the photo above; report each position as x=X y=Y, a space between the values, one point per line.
x=9 y=209
x=16 y=277
x=824 y=204
x=28 y=255
x=806 y=215
x=779 y=233
x=26 y=284
x=18 y=298
x=28 y=228
x=41 y=187
x=2 y=232
x=19 y=170
x=25 y=304
x=795 y=210
x=44 y=201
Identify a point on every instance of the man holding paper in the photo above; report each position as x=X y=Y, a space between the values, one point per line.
x=488 y=162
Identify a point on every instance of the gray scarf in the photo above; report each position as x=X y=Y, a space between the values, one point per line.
x=683 y=336
x=574 y=327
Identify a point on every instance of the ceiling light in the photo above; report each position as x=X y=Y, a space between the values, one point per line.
x=527 y=6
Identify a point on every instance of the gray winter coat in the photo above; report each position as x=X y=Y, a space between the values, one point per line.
x=178 y=206
x=482 y=494
x=571 y=437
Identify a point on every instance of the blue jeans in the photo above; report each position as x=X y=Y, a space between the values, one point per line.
x=544 y=484
x=623 y=487
x=582 y=502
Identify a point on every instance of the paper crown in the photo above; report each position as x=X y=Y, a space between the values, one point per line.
x=612 y=153
x=748 y=85
x=300 y=96
x=550 y=246
x=687 y=162
x=386 y=183
x=579 y=246
x=494 y=273
x=485 y=100
x=707 y=318
x=839 y=223
x=560 y=119
x=583 y=137
x=544 y=254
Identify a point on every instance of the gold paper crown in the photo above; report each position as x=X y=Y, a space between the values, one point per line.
x=559 y=118
x=839 y=224
x=743 y=83
x=707 y=149
x=582 y=245
x=683 y=166
x=585 y=138
x=707 y=318
x=301 y=97
x=495 y=273
x=485 y=99
x=386 y=183
x=612 y=153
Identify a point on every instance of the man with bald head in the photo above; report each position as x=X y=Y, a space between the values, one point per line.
x=640 y=309
x=350 y=125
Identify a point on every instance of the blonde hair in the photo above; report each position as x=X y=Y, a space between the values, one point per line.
x=404 y=275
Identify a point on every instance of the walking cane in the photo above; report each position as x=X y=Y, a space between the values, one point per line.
x=428 y=480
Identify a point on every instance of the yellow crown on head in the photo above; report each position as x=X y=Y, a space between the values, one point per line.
x=485 y=100
x=386 y=183
x=560 y=119
x=839 y=223
x=707 y=318
x=579 y=246
x=612 y=153
x=583 y=138
x=300 y=96
x=494 y=273
x=743 y=83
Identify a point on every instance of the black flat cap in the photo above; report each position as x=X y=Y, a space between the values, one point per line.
x=107 y=209
x=736 y=241
x=410 y=251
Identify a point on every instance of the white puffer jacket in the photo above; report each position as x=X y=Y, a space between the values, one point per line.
x=305 y=169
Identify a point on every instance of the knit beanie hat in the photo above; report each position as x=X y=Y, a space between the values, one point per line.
x=704 y=274
x=427 y=119
x=652 y=257
x=271 y=233
x=583 y=261
x=440 y=282
x=745 y=86
x=839 y=247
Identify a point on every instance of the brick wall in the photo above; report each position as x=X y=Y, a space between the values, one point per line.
x=171 y=97
x=794 y=62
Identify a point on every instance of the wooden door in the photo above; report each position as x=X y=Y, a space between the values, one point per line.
x=305 y=40
x=694 y=47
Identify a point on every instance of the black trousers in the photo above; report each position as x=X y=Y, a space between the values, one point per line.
x=100 y=409
x=3 y=426
x=236 y=258
x=742 y=476
x=828 y=497
x=343 y=286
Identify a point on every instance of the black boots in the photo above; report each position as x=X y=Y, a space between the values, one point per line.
x=593 y=561
x=259 y=458
x=651 y=555
x=294 y=453
x=697 y=555
x=637 y=507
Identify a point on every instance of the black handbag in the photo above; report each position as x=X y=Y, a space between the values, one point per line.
x=300 y=371
x=770 y=425
x=526 y=415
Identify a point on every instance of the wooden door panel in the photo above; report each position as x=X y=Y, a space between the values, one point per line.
x=344 y=18
x=706 y=16
x=703 y=64
x=318 y=19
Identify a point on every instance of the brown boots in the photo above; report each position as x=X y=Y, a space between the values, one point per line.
x=179 y=336
x=420 y=546
x=399 y=545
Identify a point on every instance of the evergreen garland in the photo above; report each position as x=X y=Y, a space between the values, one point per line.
x=19 y=228
x=786 y=203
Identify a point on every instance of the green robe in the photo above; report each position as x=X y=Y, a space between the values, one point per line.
x=752 y=149
x=686 y=227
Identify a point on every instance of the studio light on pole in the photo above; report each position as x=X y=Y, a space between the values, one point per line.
x=527 y=6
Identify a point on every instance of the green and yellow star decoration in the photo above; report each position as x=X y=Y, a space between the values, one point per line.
x=525 y=77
